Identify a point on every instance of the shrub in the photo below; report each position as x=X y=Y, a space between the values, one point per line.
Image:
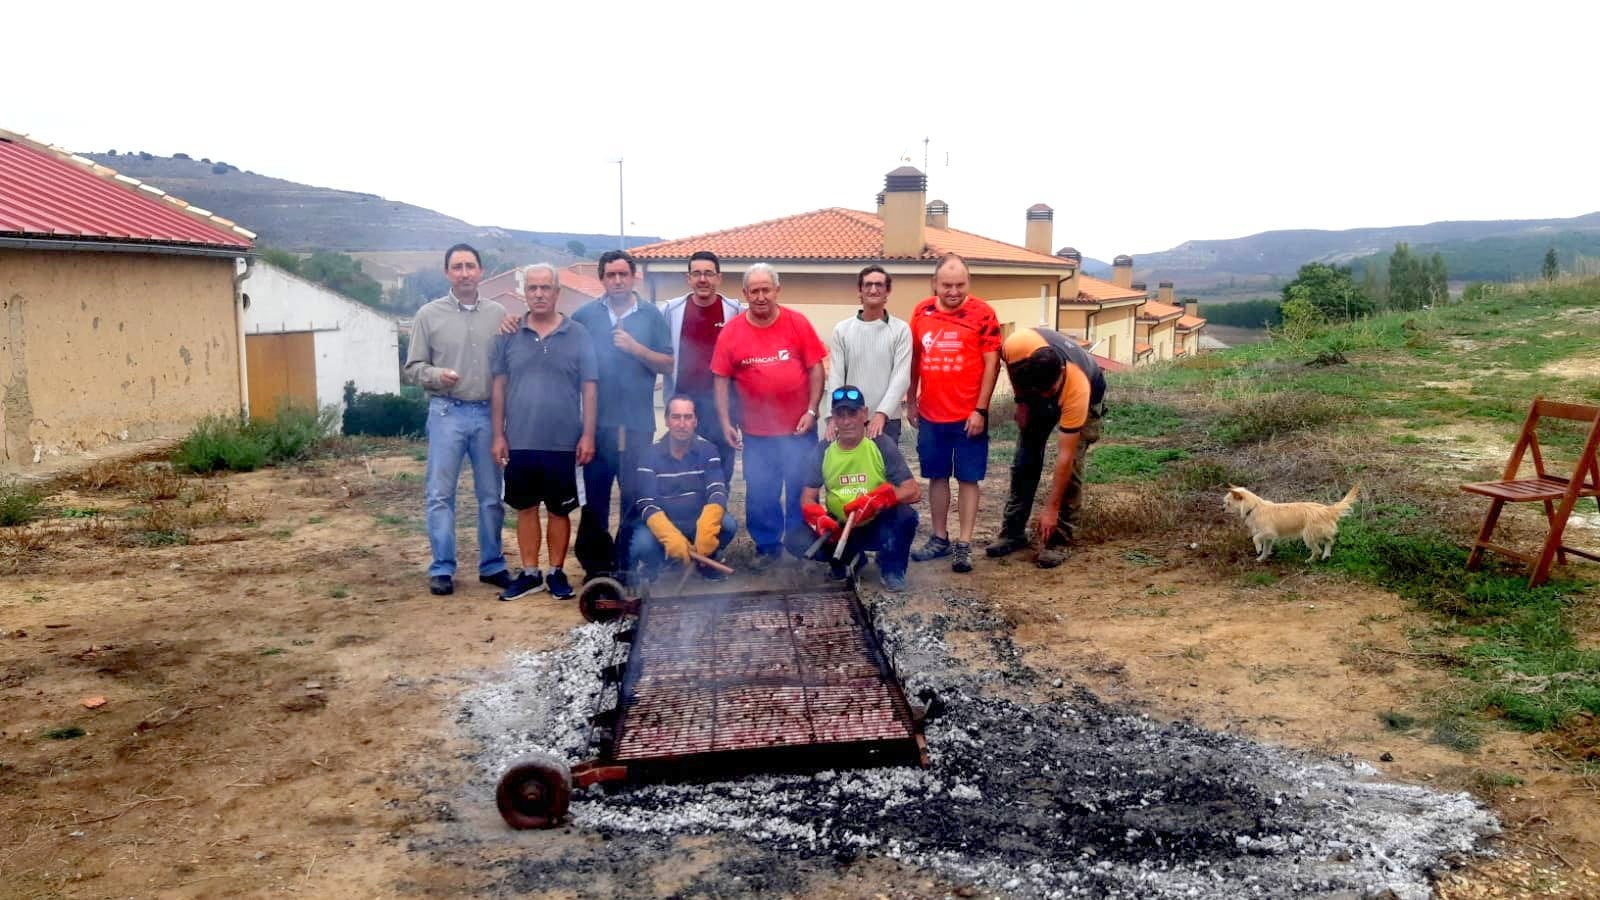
x=1123 y=463
x=1270 y=415
x=383 y=415
x=19 y=503
x=222 y=443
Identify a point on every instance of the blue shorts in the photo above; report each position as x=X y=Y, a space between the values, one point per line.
x=945 y=449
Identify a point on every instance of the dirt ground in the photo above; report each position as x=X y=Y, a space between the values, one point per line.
x=280 y=691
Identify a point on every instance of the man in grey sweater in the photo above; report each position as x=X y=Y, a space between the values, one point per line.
x=451 y=341
x=872 y=351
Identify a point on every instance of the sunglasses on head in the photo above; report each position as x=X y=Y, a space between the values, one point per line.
x=846 y=394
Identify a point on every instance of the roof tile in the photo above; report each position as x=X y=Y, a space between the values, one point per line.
x=836 y=233
x=44 y=194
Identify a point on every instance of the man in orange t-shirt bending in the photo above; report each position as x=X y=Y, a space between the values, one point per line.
x=955 y=356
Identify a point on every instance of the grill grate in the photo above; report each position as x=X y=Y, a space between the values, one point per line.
x=756 y=671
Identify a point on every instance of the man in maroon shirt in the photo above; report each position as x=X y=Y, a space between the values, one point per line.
x=695 y=320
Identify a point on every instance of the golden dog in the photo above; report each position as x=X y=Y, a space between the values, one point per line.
x=1317 y=524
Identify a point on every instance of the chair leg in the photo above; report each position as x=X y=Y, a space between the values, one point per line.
x=1552 y=543
x=1550 y=517
x=1484 y=533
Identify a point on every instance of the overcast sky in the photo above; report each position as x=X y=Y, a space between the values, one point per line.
x=1142 y=124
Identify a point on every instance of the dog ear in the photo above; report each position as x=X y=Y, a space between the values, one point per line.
x=1235 y=491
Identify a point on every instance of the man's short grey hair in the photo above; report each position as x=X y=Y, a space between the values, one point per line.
x=522 y=275
x=763 y=268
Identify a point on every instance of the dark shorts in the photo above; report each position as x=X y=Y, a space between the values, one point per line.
x=543 y=476
x=944 y=450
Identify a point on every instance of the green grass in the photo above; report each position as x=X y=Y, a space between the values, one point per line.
x=1141 y=420
x=19 y=503
x=222 y=443
x=68 y=733
x=273 y=651
x=76 y=512
x=1474 y=366
x=1123 y=463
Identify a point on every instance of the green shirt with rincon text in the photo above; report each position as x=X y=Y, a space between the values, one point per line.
x=843 y=475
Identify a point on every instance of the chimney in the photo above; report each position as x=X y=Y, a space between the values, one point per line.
x=1141 y=287
x=1191 y=307
x=880 y=204
x=1122 y=272
x=1165 y=288
x=903 y=214
x=1068 y=288
x=938 y=214
x=1039 y=227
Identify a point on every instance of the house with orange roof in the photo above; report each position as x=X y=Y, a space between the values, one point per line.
x=818 y=254
x=1189 y=329
x=1157 y=326
x=579 y=285
x=125 y=317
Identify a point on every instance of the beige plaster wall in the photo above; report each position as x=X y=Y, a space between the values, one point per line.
x=97 y=347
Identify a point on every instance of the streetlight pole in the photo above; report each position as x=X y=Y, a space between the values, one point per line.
x=622 y=230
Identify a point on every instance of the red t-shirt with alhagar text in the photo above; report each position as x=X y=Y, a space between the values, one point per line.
x=769 y=369
x=947 y=348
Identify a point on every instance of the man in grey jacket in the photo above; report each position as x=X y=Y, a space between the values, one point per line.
x=695 y=320
x=872 y=350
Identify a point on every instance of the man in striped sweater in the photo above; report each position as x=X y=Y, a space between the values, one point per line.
x=872 y=351
x=683 y=497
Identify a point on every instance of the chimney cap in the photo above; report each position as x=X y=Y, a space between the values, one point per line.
x=1122 y=260
x=1070 y=254
x=1140 y=286
x=1164 y=284
x=880 y=198
x=905 y=178
x=938 y=205
x=1040 y=212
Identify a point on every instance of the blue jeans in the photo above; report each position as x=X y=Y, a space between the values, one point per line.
x=890 y=533
x=457 y=430
x=646 y=550
x=774 y=473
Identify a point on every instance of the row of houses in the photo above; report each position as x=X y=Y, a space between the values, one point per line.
x=130 y=314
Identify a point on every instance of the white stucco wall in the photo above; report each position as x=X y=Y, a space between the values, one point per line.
x=353 y=342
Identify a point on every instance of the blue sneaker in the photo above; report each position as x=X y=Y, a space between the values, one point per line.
x=529 y=582
x=894 y=582
x=560 y=588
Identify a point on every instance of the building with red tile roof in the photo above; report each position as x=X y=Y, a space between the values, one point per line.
x=578 y=286
x=126 y=318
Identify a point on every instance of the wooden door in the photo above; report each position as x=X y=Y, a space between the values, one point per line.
x=283 y=372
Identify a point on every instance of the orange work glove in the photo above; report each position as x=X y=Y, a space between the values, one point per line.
x=868 y=505
x=816 y=515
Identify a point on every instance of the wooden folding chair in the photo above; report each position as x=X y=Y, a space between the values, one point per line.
x=1558 y=493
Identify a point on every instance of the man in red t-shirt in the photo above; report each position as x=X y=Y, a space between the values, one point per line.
x=955 y=357
x=773 y=358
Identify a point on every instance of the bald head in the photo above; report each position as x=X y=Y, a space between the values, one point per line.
x=950 y=281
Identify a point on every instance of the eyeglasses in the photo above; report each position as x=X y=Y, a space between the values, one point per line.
x=846 y=394
x=874 y=286
x=708 y=273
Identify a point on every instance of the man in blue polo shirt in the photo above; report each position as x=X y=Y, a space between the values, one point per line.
x=683 y=497
x=543 y=412
x=632 y=346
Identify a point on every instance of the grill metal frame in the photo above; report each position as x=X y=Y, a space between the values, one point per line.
x=699 y=702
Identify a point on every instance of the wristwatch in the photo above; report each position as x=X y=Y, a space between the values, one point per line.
x=983 y=411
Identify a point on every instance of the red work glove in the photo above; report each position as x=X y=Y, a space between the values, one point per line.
x=875 y=501
x=816 y=515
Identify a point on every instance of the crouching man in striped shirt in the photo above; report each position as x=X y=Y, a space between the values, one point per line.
x=683 y=498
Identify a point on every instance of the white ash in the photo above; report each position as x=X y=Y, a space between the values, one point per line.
x=1064 y=798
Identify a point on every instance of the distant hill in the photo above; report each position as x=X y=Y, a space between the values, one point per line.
x=1261 y=257
x=301 y=217
x=1512 y=258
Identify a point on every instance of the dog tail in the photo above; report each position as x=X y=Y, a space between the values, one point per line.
x=1343 y=506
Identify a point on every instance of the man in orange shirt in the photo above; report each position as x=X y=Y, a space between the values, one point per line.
x=955 y=357
x=1059 y=388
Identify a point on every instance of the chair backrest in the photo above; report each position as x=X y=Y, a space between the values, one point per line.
x=1587 y=470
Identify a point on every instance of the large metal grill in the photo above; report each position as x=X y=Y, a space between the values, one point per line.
x=764 y=671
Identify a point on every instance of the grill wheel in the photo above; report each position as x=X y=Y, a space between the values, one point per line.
x=601 y=600
x=534 y=793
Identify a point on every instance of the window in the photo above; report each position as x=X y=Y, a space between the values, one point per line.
x=1006 y=328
